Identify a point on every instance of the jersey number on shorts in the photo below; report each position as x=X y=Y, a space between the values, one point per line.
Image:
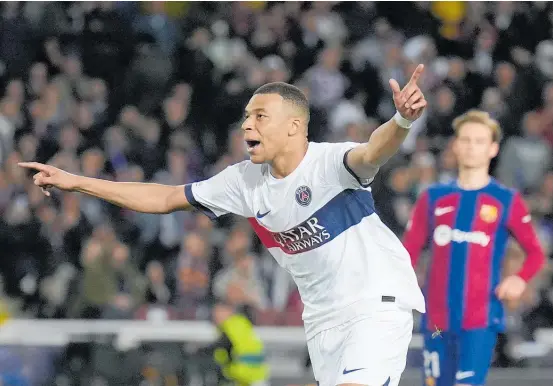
x=431 y=364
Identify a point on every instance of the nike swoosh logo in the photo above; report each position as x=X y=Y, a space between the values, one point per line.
x=527 y=219
x=351 y=371
x=441 y=211
x=261 y=215
x=463 y=374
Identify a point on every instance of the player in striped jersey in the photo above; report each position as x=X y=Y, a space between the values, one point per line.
x=466 y=225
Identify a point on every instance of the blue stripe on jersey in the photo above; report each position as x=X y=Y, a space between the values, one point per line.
x=345 y=210
x=496 y=311
x=458 y=262
x=192 y=200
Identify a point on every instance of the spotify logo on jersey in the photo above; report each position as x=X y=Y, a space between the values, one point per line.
x=443 y=235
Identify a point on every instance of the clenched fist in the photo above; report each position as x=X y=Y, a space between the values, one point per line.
x=50 y=176
x=511 y=288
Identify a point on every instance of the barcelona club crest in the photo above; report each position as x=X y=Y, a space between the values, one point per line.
x=303 y=195
x=488 y=213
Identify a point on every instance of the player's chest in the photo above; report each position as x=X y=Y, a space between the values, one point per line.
x=468 y=213
x=282 y=206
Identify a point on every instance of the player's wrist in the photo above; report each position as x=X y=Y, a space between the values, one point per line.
x=402 y=122
x=522 y=276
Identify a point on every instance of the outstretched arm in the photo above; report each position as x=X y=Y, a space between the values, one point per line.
x=365 y=159
x=140 y=197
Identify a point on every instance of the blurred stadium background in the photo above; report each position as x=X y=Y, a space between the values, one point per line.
x=154 y=91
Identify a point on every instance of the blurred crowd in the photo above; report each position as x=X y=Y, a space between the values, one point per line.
x=155 y=91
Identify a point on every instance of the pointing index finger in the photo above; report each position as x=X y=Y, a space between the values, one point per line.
x=33 y=165
x=416 y=74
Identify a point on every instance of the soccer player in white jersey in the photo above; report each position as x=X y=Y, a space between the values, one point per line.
x=311 y=205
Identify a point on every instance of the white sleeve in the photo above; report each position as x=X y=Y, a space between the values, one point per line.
x=221 y=194
x=337 y=169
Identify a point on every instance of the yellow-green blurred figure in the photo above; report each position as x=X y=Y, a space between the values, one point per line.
x=239 y=352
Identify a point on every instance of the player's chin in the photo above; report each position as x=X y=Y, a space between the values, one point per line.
x=473 y=163
x=257 y=158
x=256 y=155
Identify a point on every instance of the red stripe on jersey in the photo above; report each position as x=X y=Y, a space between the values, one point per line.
x=487 y=218
x=263 y=233
x=444 y=215
x=416 y=234
x=521 y=227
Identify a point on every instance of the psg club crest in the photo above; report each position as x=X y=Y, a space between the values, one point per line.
x=488 y=213
x=303 y=195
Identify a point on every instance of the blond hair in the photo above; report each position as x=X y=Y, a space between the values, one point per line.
x=478 y=116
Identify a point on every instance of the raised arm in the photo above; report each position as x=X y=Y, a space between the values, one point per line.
x=140 y=197
x=365 y=159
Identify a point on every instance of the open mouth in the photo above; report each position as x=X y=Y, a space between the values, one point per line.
x=252 y=144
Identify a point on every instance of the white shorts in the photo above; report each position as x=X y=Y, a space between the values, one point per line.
x=369 y=350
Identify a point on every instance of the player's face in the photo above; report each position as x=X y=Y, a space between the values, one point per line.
x=474 y=146
x=265 y=127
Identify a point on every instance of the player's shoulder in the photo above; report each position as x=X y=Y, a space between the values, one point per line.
x=495 y=189
x=327 y=150
x=500 y=188
x=503 y=193
x=245 y=171
x=332 y=146
x=245 y=166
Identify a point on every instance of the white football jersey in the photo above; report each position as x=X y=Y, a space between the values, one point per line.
x=320 y=225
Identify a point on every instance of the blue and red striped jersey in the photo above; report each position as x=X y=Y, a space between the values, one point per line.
x=467 y=233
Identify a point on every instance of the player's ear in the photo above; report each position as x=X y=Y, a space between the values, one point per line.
x=494 y=150
x=455 y=146
x=295 y=126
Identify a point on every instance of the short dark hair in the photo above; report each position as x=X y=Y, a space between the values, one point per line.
x=288 y=92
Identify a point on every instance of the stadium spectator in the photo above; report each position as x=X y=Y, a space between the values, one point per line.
x=525 y=160
x=192 y=277
x=111 y=285
x=239 y=282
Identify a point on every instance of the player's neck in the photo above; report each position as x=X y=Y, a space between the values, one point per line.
x=473 y=179
x=284 y=164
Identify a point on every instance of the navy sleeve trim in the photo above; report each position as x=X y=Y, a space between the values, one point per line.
x=359 y=180
x=192 y=200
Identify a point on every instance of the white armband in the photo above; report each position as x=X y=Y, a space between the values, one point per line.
x=402 y=122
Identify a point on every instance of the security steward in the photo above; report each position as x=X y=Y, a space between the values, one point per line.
x=238 y=352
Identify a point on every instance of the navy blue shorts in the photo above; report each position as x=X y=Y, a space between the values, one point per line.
x=458 y=358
